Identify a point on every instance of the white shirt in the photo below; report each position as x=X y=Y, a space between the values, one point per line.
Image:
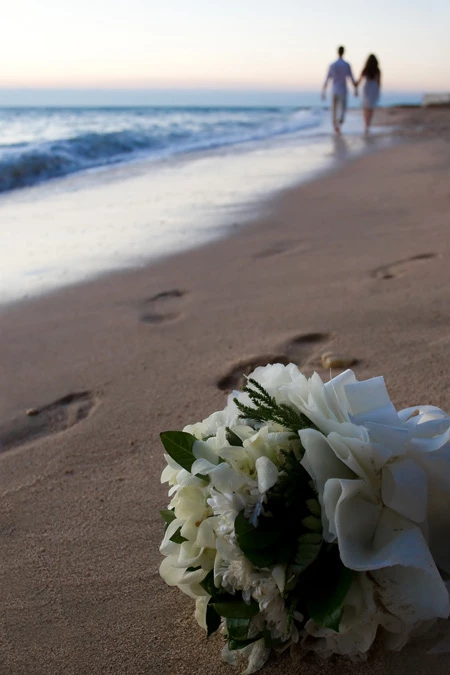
x=339 y=71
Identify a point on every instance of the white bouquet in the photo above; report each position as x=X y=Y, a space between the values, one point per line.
x=310 y=513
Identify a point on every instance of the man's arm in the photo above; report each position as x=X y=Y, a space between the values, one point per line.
x=355 y=83
x=325 y=84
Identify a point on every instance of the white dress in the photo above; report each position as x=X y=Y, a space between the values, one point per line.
x=371 y=94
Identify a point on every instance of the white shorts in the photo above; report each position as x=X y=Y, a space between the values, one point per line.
x=339 y=108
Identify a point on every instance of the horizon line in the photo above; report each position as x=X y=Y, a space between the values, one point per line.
x=187 y=89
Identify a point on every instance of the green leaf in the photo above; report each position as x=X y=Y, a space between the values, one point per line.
x=325 y=601
x=270 y=642
x=212 y=620
x=209 y=586
x=285 y=551
x=203 y=477
x=308 y=548
x=237 y=629
x=314 y=507
x=267 y=409
x=167 y=515
x=232 y=438
x=250 y=537
x=292 y=607
x=312 y=523
x=262 y=558
x=177 y=537
x=258 y=543
x=178 y=445
x=310 y=538
x=236 y=609
x=292 y=488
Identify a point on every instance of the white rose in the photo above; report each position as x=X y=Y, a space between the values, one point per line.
x=277 y=380
x=383 y=480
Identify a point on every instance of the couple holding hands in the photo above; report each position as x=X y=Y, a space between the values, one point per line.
x=339 y=71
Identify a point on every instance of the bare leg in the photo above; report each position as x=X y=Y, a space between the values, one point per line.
x=367 y=117
x=343 y=106
x=335 y=114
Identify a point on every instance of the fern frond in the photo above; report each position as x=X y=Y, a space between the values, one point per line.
x=268 y=410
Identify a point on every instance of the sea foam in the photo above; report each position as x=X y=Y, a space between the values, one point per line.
x=40 y=144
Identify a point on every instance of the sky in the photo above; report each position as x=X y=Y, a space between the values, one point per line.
x=238 y=44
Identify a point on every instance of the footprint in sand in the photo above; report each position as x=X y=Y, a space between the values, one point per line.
x=279 y=248
x=303 y=350
x=49 y=419
x=161 y=307
x=401 y=267
x=235 y=377
x=306 y=349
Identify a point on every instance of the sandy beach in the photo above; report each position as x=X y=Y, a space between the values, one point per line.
x=354 y=262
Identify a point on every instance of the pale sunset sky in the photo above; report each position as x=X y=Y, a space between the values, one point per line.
x=261 y=44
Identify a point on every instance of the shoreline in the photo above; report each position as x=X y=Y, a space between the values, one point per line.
x=52 y=212
x=356 y=262
x=245 y=215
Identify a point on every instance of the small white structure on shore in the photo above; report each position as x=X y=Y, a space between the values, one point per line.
x=436 y=99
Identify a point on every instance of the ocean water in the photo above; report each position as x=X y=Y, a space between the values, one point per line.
x=39 y=144
x=87 y=191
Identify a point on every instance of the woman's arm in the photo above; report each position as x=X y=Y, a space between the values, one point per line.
x=358 y=82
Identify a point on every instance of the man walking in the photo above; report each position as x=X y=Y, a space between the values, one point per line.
x=339 y=72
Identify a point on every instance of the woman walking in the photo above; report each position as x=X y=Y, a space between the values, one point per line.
x=371 y=73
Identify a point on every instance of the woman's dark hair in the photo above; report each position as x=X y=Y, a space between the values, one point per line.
x=371 y=69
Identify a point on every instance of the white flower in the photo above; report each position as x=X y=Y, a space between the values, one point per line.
x=195 y=523
x=377 y=478
x=255 y=654
x=240 y=574
x=383 y=482
x=359 y=625
x=220 y=419
x=277 y=380
x=174 y=575
x=201 y=604
x=272 y=606
x=177 y=477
